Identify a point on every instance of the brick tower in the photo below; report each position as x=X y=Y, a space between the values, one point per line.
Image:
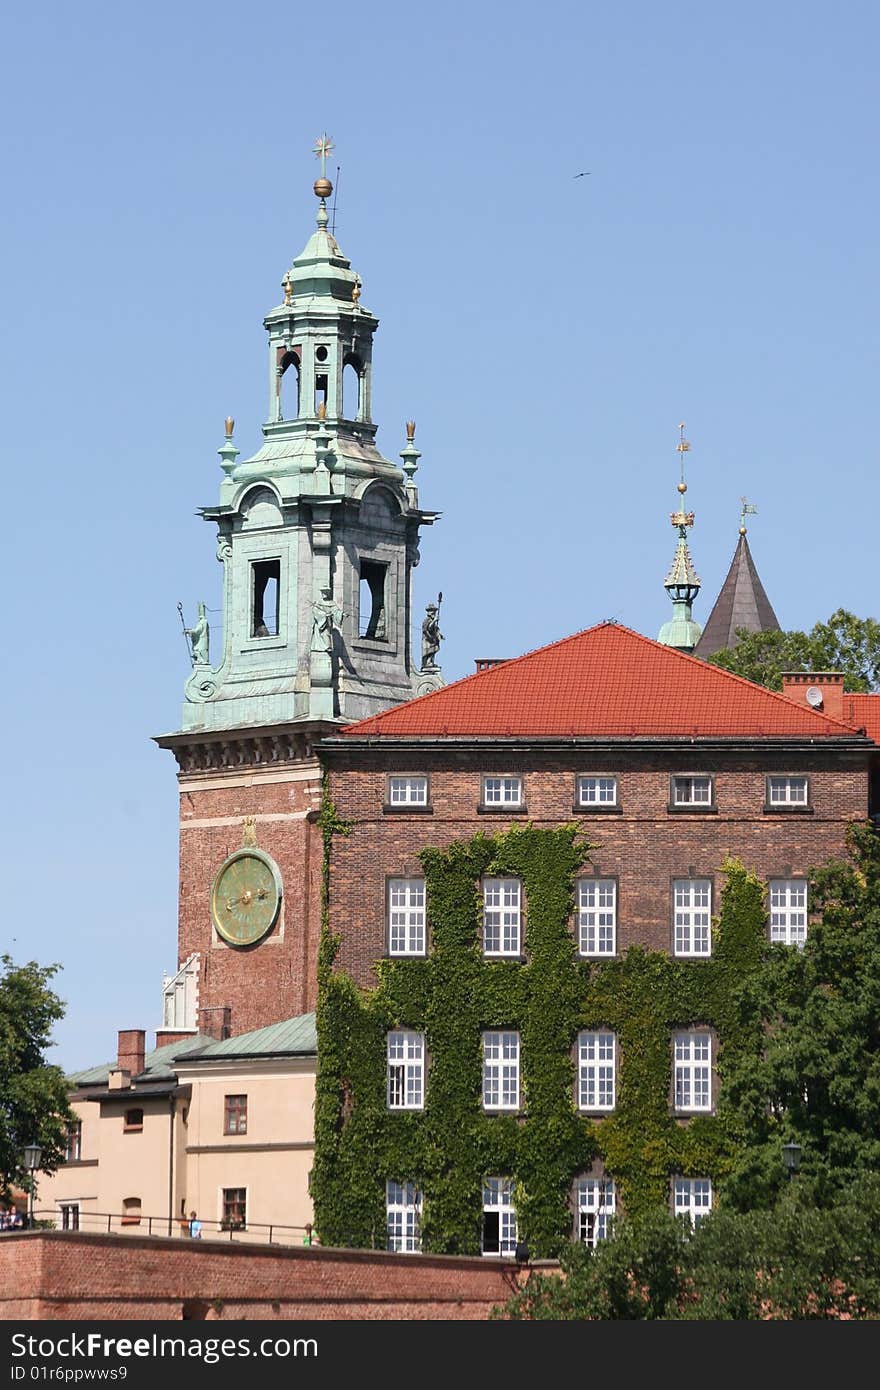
x=318 y=537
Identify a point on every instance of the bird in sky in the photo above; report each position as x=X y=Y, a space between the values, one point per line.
x=584 y=174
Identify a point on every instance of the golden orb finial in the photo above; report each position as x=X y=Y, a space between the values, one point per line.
x=323 y=188
x=742 y=530
x=682 y=487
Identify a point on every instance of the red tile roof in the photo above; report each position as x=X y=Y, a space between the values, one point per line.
x=863 y=711
x=604 y=682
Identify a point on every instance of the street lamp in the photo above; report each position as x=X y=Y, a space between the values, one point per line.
x=791 y=1157
x=33 y=1155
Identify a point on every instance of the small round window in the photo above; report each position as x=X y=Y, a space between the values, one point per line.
x=321 y=354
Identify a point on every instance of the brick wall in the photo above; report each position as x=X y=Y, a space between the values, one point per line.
x=74 y=1275
x=644 y=846
x=276 y=978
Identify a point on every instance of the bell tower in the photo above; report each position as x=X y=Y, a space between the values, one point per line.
x=318 y=536
x=318 y=532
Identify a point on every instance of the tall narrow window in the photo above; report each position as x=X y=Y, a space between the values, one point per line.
x=692 y=1197
x=501 y=916
x=693 y=1071
x=597 y=916
x=403 y=1212
x=371 y=597
x=596 y=1199
x=406 y=1070
x=501 y=1071
x=235 y=1115
x=288 y=387
x=266 y=585
x=693 y=916
x=788 y=910
x=596 y=1071
x=234 y=1208
x=73 y=1142
x=406 y=916
x=351 y=389
x=499 y=1217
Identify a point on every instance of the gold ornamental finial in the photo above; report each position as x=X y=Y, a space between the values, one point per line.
x=410 y=431
x=681 y=518
x=249 y=832
x=230 y=426
x=322 y=410
x=287 y=286
x=356 y=290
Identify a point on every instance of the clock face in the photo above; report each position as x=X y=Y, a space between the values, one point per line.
x=246 y=897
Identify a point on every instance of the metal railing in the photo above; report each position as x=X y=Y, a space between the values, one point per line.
x=175 y=1227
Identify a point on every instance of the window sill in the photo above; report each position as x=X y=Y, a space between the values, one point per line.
x=598 y=955
x=597 y=810
x=406 y=955
x=416 y=808
x=689 y=1114
x=677 y=809
x=511 y=809
x=80 y=1163
x=235 y=1134
x=793 y=810
x=133 y=1129
x=505 y=955
x=691 y=955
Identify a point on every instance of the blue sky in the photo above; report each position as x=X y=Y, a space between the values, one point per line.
x=547 y=332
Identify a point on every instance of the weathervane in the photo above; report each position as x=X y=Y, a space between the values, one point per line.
x=747 y=510
x=681 y=518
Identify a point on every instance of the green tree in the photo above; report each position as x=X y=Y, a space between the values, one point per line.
x=843 y=643
x=33 y=1094
x=818 y=1080
x=793 y=1261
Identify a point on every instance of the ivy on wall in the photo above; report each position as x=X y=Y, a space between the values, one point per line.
x=454 y=994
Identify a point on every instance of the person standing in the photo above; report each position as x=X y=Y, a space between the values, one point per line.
x=195 y=1227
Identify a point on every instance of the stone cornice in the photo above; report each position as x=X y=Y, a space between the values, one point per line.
x=224 y=750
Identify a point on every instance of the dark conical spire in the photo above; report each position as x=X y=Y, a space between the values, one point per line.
x=742 y=602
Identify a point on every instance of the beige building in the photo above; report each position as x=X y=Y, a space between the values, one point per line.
x=222 y=1128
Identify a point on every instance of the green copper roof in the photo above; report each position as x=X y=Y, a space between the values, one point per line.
x=296 y=1037
x=157 y=1064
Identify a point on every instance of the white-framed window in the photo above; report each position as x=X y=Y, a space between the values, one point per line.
x=692 y=791
x=502 y=912
x=692 y=1197
x=692 y=916
x=502 y=791
x=597 y=791
x=403 y=1214
x=788 y=910
x=787 y=791
x=406 y=916
x=406 y=1070
x=501 y=1071
x=408 y=791
x=596 y=1199
x=596 y=1071
x=73 y=1142
x=597 y=916
x=693 y=1071
x=499 y=1217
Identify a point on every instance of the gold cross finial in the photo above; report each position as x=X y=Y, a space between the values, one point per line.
x=682 y=518
x=323 y=148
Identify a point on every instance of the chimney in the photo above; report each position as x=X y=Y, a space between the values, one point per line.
x=215 y=1021
x=485 y=663
x=820 y=690
x=131 y=1050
